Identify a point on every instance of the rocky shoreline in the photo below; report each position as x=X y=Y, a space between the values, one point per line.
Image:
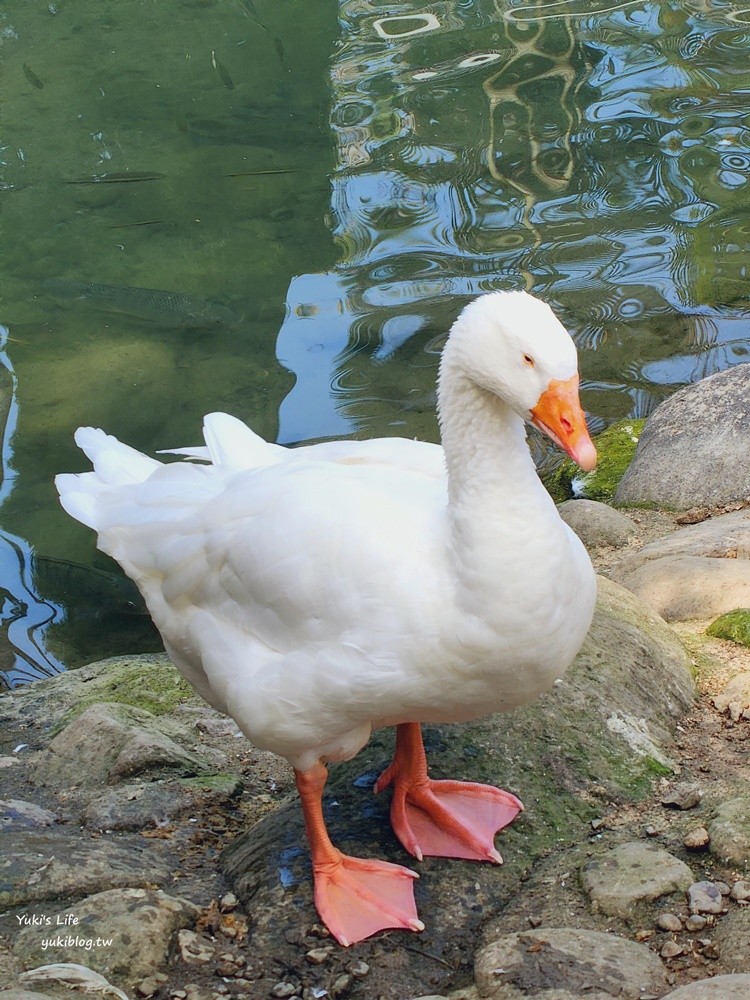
x=145 y=841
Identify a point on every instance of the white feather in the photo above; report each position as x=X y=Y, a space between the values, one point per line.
x=314 y=593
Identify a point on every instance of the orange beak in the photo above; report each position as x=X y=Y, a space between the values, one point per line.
x=558 y=413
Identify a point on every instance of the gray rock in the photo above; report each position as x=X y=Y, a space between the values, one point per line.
x=148 y=681
x=49 y=865
x=682 y=796
x=730 y=831
x=736 y=692
x=700 y=571
x=19 y=994
x=16 y=814
x=195 y=949
x=732 y=935
x=596 y=524
x=567 y=964
x=705 y=897
x=716 y=988
x=669 y=922
x=696 y=839
x=124 y=934
x=741 y=890
x=695 y=922
x=694 y=447
x=621 y=878
x=129 y=742
x=131 y=807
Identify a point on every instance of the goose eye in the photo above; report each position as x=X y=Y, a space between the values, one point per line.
x=528 y=361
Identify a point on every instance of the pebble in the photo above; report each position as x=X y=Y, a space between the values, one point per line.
x=341 y=985
x=696 y=839
x=668 y=922
x=194 y=949
x=740 y=891
x=228 y=903
x=359 y=969
x=695 y=922
x=319 y=955
x=149 y=986
x=708 y=948
x=705 y=897
x=670 y=949
x=682 y=797
x=723 y=888
x=283 y=990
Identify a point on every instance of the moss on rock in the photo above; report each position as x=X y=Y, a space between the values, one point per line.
x=148 y=681
x=735 y=626
x=615 y=447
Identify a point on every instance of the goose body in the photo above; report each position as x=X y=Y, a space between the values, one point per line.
x=317 y=593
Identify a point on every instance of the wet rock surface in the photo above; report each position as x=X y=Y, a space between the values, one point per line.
x=47 y=866
x=15 y=814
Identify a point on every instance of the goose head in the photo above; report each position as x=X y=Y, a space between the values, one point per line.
x=511 y=345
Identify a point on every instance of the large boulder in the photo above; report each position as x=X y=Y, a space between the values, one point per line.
x=601 y=732
x=123 y=934
x=129 y=742
x=697 y=572
x=693 y=450
x=561 y=963
x=39 y=866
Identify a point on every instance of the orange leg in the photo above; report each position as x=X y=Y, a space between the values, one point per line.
x=446 y=819
x=355 y=897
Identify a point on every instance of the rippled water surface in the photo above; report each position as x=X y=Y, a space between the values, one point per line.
x=278 y=208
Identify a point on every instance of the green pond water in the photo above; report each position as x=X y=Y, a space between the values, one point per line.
x=277 y=207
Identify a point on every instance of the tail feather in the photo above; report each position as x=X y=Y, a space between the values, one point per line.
x=78 y=498
x=128 y=489
x=115 y=463
x=232 y=445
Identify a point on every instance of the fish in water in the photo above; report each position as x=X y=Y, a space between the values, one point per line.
x=105 y=593
x=166 y=309
x=222 y=71
x=124 y=178
x=31 y=76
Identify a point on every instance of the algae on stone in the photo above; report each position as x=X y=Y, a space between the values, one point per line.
x=148 y=681
x=735 y=625
x=615 y=448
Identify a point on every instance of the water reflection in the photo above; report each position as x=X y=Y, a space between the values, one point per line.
x=352 y=188
x=595 y=154
x=24 y=615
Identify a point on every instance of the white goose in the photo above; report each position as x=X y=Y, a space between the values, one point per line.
x=317 y=593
